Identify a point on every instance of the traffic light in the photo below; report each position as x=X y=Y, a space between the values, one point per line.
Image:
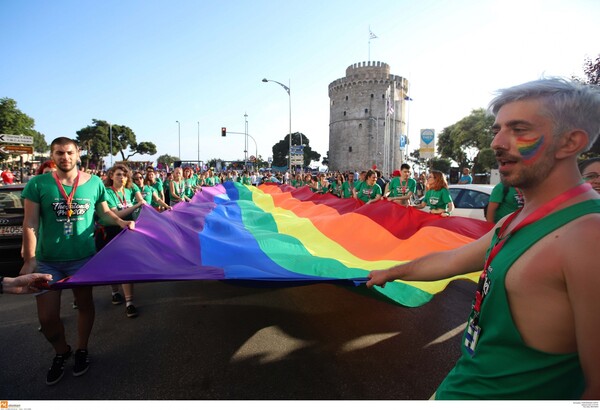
x=223 y=131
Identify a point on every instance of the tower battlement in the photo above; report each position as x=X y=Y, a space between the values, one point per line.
x=368 y=72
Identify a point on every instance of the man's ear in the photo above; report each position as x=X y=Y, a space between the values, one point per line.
x=572 y=143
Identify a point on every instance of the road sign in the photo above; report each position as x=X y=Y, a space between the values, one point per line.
x=297 y=149
x=297 y=159
x=16 y=139
x=16 y=149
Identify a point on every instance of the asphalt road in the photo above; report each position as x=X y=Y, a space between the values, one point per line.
x=213 y=340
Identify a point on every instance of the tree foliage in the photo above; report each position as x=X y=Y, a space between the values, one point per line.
x=99 y=138
x=591 y=68
x=282 y=148
x=15 y=122
x=463 y=140
x=441 y=164
x=167 y=160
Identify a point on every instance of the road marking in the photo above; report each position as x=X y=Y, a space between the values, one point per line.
x=448 y=335
x=269 y=344
x=366 y=341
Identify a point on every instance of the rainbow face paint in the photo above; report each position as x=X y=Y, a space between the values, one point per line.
x=530 y=148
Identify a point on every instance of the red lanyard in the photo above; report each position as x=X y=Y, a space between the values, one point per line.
x=68 y=198
x=123 y=200
x=403 y=186
x=503 y=237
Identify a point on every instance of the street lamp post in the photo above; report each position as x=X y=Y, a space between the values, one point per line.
x=179 y=137
x=110 y=135
x=246 y=141
x=255 y=148
x=287 y=89
x=198 y=143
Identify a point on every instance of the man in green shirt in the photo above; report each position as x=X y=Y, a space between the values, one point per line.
x=58 y=238
x=504 y=200
x=534 y=329
x=402 y=187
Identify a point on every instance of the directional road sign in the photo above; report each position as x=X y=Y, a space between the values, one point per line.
x=16 y=149
x=16 y=139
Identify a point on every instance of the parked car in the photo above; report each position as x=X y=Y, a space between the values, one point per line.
x=11 y=229
x=470 y=200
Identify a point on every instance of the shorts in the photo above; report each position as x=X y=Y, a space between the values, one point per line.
x=60 y=269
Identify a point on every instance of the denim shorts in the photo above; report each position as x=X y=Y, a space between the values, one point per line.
x=60 y=270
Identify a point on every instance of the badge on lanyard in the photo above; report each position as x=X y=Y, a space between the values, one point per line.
x=472 y=336
x=68 y=227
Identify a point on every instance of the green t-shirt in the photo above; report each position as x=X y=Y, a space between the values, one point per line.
x=54 y=244
x=336 y=188
x=402 y=188
x=507 y=198
x=438 y=199
x=118 y=201
x=148 y=193
x=366 y=192
x=347 y=189
x=190 y=186
x=158 y=187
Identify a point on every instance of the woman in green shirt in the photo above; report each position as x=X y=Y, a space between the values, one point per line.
x=437 y=197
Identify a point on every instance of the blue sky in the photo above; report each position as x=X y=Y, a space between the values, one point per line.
x=148 y=64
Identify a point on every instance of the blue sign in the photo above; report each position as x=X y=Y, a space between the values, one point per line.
x=427 y=136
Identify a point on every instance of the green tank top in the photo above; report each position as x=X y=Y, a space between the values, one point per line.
x=502 y=366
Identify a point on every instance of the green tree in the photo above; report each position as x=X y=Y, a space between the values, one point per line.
x=463 y=140
x=282 y=148
x=15 y=122
x=485 y=160
x=96 y=140
x=167 y=160
x=591 y=68
x=441 y=164
x=39 y=142
x=325 y=161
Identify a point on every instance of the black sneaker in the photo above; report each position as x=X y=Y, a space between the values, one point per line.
x=82 y=362
x=117 y=299
x=131 y=311
x=57 y=370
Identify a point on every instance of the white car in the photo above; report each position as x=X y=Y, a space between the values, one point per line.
x=470 y=200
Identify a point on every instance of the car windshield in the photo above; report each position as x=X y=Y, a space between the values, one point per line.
x=10 y=201
x=469 y=198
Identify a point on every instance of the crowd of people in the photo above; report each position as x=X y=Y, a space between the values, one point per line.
x=534 y=325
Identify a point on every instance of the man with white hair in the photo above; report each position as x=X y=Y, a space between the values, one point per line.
x=534 y=327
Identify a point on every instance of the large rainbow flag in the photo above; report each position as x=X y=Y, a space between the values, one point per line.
x=278 y=235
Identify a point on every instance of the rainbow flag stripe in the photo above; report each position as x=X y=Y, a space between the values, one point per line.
x=278 y=235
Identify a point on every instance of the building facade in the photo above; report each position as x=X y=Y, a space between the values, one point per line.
x=367 y=119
